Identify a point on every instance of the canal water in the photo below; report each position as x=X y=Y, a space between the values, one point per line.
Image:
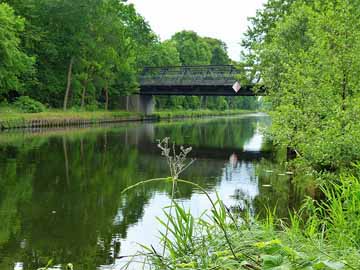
x=61 y=190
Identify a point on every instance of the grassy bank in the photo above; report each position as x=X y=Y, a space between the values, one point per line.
x=10 y=118
x=56 y=115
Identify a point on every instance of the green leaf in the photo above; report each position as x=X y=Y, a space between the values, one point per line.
x=328 y=265
x=271 y=261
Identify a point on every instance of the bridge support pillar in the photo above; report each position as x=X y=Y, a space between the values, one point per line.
x=140 y=103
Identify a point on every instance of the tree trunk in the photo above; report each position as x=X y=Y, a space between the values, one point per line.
x=68 y=85
x=104 y=156
x=66 y=160
x=127 y=103
x=82 y=149
x=83 y=94
x=106 y=98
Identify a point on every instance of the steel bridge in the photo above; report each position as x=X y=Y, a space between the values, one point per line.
x=194 y=81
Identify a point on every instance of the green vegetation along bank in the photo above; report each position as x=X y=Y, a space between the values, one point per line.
x=11 y=119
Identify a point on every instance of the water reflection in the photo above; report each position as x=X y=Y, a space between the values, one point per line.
x=60 y=195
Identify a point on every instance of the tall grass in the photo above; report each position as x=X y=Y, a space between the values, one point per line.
x=338 y=214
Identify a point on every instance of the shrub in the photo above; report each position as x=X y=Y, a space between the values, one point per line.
x=92 y=107
x=29 y=105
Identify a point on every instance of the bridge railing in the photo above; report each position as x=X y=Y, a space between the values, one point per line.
x=189 y=75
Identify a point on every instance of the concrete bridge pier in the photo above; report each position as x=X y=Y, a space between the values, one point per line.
x=144 y=133
x=144 y=104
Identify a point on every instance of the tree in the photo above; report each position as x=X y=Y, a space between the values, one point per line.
x=82 y=45
x=109 y=57
x=14 y=62
x=219 y=54
x=193 y=49
x=309 y=64
x=260 y=33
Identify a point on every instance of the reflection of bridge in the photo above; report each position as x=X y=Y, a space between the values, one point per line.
x=193 y=81
x=190 y=81
x=144 y=139
x=203 y=152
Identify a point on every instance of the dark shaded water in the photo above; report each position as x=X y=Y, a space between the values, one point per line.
x=60 y=191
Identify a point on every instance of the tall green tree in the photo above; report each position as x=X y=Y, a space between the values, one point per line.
x=219 y=54
x=87 y=51
x=309 y=63
x=14 y=63
x=193 y=49
x=260 y=33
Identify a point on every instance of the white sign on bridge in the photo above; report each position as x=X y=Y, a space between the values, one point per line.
x=237 y=87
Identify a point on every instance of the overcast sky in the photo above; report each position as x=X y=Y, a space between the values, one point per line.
x=225 y=19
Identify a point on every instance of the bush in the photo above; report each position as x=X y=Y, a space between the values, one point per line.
x=29 y=105
x=92 y=107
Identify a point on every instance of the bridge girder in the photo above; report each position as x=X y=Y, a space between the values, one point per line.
x=195 y=90
x=193 y=81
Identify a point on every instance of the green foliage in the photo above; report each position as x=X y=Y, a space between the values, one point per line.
x=14 y=62
x=93 y=49
x=219 y=55
x=179 y=242
x=307 y=53
x=338 y=212
x=28 y=105
x=193 y=49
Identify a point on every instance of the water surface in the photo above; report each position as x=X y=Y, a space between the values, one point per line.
x=61 y=190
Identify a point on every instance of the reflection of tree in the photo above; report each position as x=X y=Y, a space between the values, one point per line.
x=276 y=189
x=62 y=193
x=216 y=133
x=15 y=192
x=81 y=179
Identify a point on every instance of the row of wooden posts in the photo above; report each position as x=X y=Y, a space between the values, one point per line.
x=54 y=123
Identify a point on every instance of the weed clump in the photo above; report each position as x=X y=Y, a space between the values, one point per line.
x=28 y=105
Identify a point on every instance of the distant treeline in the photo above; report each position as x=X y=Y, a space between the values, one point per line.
x=88 y=53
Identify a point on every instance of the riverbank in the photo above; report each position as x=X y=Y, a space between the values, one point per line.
x=51 y=119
